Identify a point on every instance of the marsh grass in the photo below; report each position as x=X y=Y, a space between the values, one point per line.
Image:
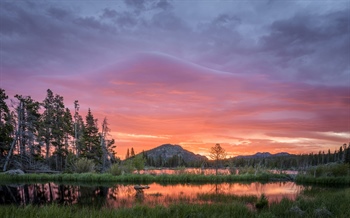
x=312 y=202
x=141 y=178
x=175 y=210
x=323 y=180
x=222 y=197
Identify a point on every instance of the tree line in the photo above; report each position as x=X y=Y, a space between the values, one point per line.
x=47 y=135
x=300 y=161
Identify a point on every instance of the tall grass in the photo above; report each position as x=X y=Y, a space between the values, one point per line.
x=176 y=210
x=313 y=202
x=323 y=180
x=316 y=202
x=222 y=197
x=84 y=165
x=139 y=178
x=329 y=170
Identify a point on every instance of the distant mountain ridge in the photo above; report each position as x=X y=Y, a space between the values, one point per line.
x=168 y=151
x=264 y=155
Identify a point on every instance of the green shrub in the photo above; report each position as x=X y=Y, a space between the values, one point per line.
x=84 y=165
x=262 y=202
x=115 y=170
x=139 y=162
x=246 y=170
x=339 y=169
x=334 y=169
x=71 y=159
x=128 y=167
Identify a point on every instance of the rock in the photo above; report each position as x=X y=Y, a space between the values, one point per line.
x=297 y=211
x=140 y=187
x=14 y=172
x=322 y=212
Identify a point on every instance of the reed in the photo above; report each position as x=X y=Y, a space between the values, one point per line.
x=323 y=180
x=312 y=202
x=175 y=210
x=142 y=178
x=221 y=197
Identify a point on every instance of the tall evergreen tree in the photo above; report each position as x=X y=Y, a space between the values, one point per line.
x=107 y=145
x=91 y=140
x=67 y=127
x=47 y=122
x=68 y=133
x=127 y=154
x=58 y=131
x=132 y=153
x=347 y=155
x=55 y=123
x=78 y=128
x=28 y=121
x=79 y=135
x=6 y=125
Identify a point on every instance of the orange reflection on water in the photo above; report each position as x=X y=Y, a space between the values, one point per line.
x=188 y=193
x=121 y=195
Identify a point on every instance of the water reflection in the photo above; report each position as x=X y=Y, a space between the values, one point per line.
x=207 y=171
x=121 y=195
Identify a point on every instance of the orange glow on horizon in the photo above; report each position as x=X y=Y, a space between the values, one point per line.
x=146 y=142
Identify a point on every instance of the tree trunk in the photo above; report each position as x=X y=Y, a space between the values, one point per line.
x=10 y=152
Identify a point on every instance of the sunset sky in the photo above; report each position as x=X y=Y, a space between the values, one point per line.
x=265 y=75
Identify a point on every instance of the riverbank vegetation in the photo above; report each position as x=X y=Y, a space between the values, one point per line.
x=143 y=178
x=327 y=174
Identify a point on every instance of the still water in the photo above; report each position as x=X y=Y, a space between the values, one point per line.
x=124 y=195
x=224 y=171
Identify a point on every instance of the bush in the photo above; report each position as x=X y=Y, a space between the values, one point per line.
x=128 y=167
x=262 y=202
x=70 y=162
x=339 y=170
x=138 y=162
x=333 y=169
x=115 y=170
x=246 y=170
x=84 y=165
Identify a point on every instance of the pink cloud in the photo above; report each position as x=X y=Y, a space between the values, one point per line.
x=151 y=95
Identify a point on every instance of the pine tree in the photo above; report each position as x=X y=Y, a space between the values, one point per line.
x=108 y=153
x=68 y=134
x=127 y=154
x=55 y=123
x=132 y=153
x=29 y=122
x=67 y=128
x=79 y=135
x=340 y=157
x=47 y=122
x=58 y=131
x=6 y=125
x=347 y=154
x=91 y=140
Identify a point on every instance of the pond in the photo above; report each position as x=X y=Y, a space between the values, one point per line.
x=124 y=195
x=206 y=171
